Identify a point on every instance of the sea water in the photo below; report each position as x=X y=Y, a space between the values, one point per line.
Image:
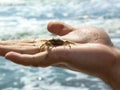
x=21 y=19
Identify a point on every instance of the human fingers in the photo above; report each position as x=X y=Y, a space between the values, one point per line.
x=59 y=28
x=20 y=49
x=42 y=59
x=27 y=59
x=23 y=41
x=25 y=46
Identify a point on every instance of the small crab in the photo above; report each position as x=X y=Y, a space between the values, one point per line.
x=54 y=42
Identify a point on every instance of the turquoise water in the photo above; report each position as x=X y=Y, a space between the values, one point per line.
x=28 y=19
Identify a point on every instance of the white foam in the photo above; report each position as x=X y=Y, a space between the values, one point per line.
x=30 y=21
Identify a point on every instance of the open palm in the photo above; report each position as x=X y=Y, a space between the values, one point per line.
x=89 y=43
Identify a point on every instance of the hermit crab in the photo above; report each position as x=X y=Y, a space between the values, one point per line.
x=54 y=42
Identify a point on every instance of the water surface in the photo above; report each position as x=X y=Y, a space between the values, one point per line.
x=28 y=19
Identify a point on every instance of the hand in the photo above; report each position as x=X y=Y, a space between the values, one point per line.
x=93 y=52
x=93 y=47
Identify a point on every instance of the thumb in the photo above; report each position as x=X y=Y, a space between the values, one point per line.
x=59 y=28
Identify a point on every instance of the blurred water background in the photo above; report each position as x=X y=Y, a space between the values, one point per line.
x=28 y=19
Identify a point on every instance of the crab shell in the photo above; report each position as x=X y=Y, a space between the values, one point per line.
x=54 y=43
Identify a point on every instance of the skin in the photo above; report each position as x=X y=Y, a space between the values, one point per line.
x=93 y=52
